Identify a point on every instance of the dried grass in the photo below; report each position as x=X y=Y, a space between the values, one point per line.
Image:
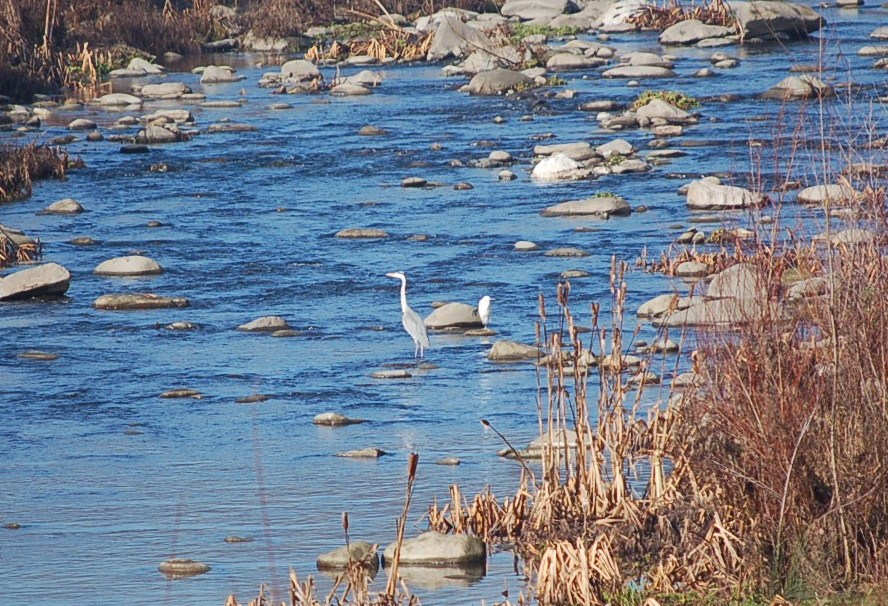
x=711 y=12
x=20 y=166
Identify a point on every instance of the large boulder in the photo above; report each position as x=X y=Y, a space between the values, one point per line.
x=578 y=151
x=601 y=206
x=821 y=194
x=454 y=315
x=770 y=19
x=689 y=32
x=529 y=10
x=662 y=304
x=620 y=12
x=453 y=38
x=704 y=195
x=48 y=280
x=437 y=549
x=132 y=265
x=496 y=82
x=118 y=99
x=738 y=281
x=299 y=70
x=715 y=312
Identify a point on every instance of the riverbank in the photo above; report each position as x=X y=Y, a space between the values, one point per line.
x=210 y=189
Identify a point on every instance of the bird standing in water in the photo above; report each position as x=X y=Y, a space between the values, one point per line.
x=484 y=309
x=413 y=324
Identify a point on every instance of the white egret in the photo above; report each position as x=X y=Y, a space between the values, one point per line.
x=413 y=324
x=484 y=309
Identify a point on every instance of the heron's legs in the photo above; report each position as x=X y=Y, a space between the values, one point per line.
x=416 y=350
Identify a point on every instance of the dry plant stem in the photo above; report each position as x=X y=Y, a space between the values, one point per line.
x=391 y=586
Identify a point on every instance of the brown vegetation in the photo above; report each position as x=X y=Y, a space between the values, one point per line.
x=21 y=166
x=712 y=12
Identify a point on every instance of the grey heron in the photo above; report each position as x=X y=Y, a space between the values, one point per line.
x=484 y=309
x=413 y=324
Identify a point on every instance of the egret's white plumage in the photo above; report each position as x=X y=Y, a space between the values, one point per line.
x=484 y=309
x=413 y=324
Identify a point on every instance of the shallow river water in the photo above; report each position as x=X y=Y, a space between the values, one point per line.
x=107 y=480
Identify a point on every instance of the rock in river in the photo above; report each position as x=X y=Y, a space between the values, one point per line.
x=339 y=559
x=334 y=419
x=363 y=453
x=512 y=351
x=265 y=324
x=436 y=549
x=705 y=195
x=601 y=206
x=181 y=567
x=496 y=82
x=66 y=206
x=692 y=31
x=48 y=280
x=454 y=315
x=357 y=232
x=138 y=301
x=133 y=265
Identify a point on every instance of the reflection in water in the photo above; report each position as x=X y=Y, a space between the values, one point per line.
x=433 y=578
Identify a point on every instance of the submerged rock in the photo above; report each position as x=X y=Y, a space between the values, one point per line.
x=359 y=233
x=339 y=559
x=334 y=419
x=181 y=567
x=66 y=206
x=363 y=453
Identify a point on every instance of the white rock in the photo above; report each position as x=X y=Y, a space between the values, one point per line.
x=133 y=265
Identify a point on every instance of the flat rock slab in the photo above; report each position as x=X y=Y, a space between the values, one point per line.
x=33 y=354
x=437 y=549
x=334 y=419
x=363 y=453
x=255 y=398
x=362 y=233
x=601 y=206
x=181 y=567
x=138 y=301
x=66 y=206
x=48 y=280
x=265 y=324
x=181 y=393
x=566 y=251
x=391 y=374
x=638 y=71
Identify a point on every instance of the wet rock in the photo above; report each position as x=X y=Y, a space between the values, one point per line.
x=574 y=274
x=118 y=99
x=414 y=182
x=237 y=539
x=265 y=324
x=181 y=567
x=165 y=90
x=705 y=195
x=638 y=71
x=334 y=419
x=569 y=61
x=566 y=251
x=480 y=332
x=601 y=206
x=138 y=301
x=448 y=461
x=170 y=115
x=95 y=137
x=174 y=394
x=372 y=131
x=134 y=149
x=356 y=551
x=359 y=233
x=349 y=89
x=454 y=315
x=661 y=304
x=33 y=354
x=496 y=82
x=653 y=59
x=12 y=526
x=391 y=374
x=434 y=549
x=84 y=241
x=619 y=147
x=798 y=87
x=299 y=70
x=286 y=332
x=230 y=127
x=48 y=280
x=133 y=265
x=821 y=194
x=138 y=67
x=181 y=326
x=66 y=206
x=506 y=175
x=463 y=186
x=156 y=134
x=81 y=124
x=363 y=453
x=768 y=19
x=255 y=398
x=219 y=74
x=365 y=78
x=691 y=31
x=526 y=246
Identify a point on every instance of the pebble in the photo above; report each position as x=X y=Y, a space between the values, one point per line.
x=252 y=399
x=33 y=354
x=237 y=539
x=526 y=246
x=182 y=393
x=391 y=374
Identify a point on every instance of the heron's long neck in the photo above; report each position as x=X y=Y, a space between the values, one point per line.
x=403 y=295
